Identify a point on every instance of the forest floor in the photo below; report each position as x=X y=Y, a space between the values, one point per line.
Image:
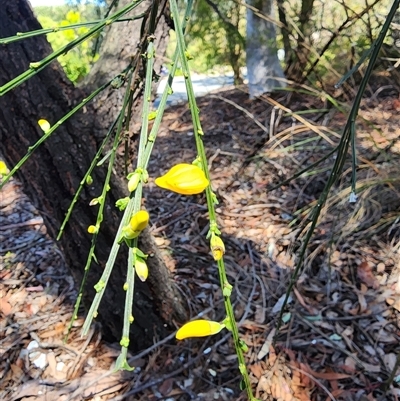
x=340 y=336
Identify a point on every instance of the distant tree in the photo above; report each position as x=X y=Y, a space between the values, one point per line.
x=216 y=35
x=264 y=71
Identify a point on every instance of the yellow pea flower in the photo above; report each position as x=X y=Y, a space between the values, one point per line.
x=199 y=328
x=185 y=179
x=137 y=224
x=217 y=247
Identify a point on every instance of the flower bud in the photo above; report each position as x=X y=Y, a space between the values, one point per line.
x=133 y=182
x=44 y=125
x=217 y=247
x=137 y=224
x=92 y=229
x=141 y=268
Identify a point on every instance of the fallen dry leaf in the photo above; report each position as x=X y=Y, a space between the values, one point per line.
x=366 y=275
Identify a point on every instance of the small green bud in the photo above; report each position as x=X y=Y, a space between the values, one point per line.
x=243 y=346
x=227 y=290
x=99 y=286
x=122 y=203
x=227 y=323
x=124 y=342
x=152 y=115
x=96 y=201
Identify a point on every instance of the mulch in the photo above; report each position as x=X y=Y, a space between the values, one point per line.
x=340 y=336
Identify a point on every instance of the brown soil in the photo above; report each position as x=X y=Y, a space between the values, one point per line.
x=340 y=336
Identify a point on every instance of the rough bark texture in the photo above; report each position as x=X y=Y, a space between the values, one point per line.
x=52 y=174
x=263 y=67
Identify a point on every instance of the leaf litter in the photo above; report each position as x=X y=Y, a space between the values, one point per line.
x=340 y=337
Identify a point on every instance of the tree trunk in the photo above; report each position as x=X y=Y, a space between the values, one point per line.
x=52 y=175
x=297 y=65
x=263 y=68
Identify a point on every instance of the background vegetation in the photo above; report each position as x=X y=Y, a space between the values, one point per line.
x=77 y=62
x=320 y=39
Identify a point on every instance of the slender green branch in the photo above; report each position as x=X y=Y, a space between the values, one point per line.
x=84 y=179
x=129 y=287
x=342 y=149
x=102 y=283
x=211 y=198
x=122 y=362
x=48 y=133
x=44 y=31
x=101 y=201
x=133 y=204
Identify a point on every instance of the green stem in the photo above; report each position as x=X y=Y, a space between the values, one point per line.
x=99 y=219
x=347 y=138
x=83 y=181
x=102 y=283
x=25 y=35
x=209 y=194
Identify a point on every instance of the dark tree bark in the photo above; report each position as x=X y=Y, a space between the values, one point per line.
x=52 y=174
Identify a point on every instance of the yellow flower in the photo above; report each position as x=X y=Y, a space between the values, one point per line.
x=44 y=124
x=141 y=268
x=185 y=179
x=199 y=328
x=217 y=247
x=92 y=229
x=137 y=224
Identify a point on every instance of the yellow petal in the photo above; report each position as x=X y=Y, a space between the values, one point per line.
x=185 y=179
x=199 y=328
x=44 y=124
x=139 y=221
x=3 y=168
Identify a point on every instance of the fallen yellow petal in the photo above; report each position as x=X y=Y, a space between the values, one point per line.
x=185 y=179
x=199 y=328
